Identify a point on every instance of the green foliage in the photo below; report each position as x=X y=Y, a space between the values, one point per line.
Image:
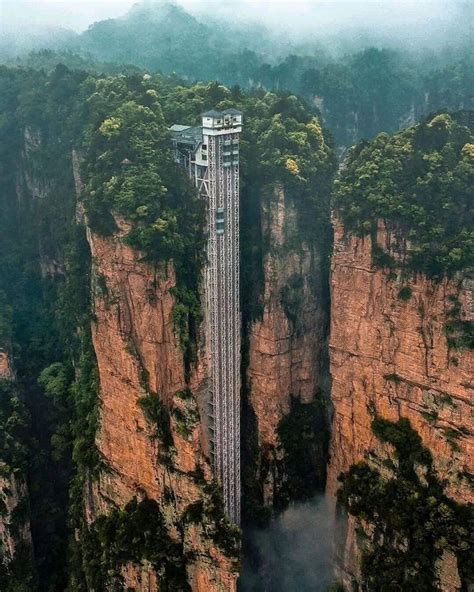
x=362 y=92
x=208 y=513
x=186 y=416
x=411 y=519
x=293 y=145
x=420 y=182
x=138 y=533
x=56 y=382
x=278 y=127
x=158 y=416
x=45 y=264
x=408 y=448
x=16 y=571
x=224 y=534
x=459 y=332
x=14 y=422
x=135 y=534
x=187 y=315
x=304 y=437
x=130 y=171
x=393 y=377
x=85 y=394
x=405 y=293
x=6 y=315
x=17 y=575
x=130 y=174
x=194 y=513
x=120 y=124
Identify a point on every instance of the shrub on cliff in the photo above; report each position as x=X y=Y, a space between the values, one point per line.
x=135 y=534
x=14 y=421
x=408 y=521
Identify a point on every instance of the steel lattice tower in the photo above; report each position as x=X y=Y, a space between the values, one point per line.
x=211 y=155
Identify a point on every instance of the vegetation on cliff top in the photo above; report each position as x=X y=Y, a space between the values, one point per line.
x=420 y=182
x=406 y=521
x=363 y=92
x=129 y=169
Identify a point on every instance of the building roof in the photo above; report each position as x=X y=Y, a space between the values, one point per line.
x=186 y=134
x=179 y=128
x=212 y=113
x=215 y=113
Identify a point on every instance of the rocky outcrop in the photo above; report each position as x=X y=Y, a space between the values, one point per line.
x=13 y=492
x=286 y=343
x=6 y=366
x=391 y=356
x=139 y=355
x=14 y=531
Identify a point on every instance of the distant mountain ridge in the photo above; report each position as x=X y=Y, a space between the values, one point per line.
x=359 y=94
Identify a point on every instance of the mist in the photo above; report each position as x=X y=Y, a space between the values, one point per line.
x=76 y=15
x=418 y=22
x=295 y=553
x=334 y=23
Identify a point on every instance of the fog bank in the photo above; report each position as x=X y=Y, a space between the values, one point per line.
x=416 y=22
x=293 y=554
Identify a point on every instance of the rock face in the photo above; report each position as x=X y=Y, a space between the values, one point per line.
x=286 y=343
x=390 y=356
x=13 y=491
x=138 y=351
x=6 y=368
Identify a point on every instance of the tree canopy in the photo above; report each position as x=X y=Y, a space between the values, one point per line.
x=419 y=181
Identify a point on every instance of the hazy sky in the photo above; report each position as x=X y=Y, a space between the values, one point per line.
x=299 y=15
x=73 y=14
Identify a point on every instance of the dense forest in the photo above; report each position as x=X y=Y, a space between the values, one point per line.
x=360 y=93
x=420 y=180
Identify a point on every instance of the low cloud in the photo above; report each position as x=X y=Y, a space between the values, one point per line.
x=294 y=554
x=302 y=19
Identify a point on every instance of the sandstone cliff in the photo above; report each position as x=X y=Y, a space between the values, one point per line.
x=390 y=356
x=139 y=355
x=286 y=344
x=15 y=533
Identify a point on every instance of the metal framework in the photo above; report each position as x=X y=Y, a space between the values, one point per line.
x=218 y=182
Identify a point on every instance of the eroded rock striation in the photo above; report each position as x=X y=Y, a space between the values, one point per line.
x=15 y=532
x=286 y=343
x=391 y=356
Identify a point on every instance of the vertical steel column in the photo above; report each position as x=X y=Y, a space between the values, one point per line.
x=222 y=278
x=219 y=185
